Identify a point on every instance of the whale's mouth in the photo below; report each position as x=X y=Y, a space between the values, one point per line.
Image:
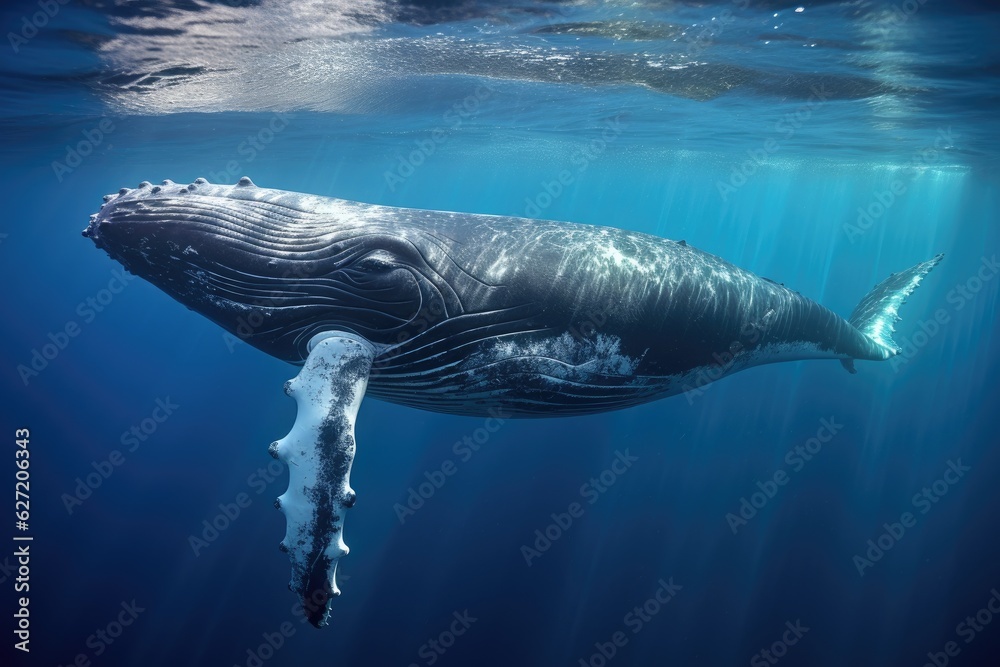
x=98 y=220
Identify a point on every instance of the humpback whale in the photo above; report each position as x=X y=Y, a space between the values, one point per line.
x=458 y=313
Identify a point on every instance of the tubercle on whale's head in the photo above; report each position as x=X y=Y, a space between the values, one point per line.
x=145 y=191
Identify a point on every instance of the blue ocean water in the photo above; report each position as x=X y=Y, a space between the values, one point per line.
x=790 y=514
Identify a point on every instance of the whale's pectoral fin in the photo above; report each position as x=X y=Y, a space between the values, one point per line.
x=876 y=315
x=319 y=451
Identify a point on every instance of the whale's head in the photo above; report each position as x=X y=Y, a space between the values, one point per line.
x=271 y=267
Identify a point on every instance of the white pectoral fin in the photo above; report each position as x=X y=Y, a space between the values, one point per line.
x=319 y=452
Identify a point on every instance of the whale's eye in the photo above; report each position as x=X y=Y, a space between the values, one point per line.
x=379 y=260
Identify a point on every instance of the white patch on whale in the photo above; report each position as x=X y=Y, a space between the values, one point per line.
x=561 y=357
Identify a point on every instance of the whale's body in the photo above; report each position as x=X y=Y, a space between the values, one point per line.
x=458 y=313
x=468 y=312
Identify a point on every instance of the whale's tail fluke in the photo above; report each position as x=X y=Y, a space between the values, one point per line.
x=876 y=315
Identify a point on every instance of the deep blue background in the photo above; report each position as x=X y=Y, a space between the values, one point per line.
x=697 y=455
